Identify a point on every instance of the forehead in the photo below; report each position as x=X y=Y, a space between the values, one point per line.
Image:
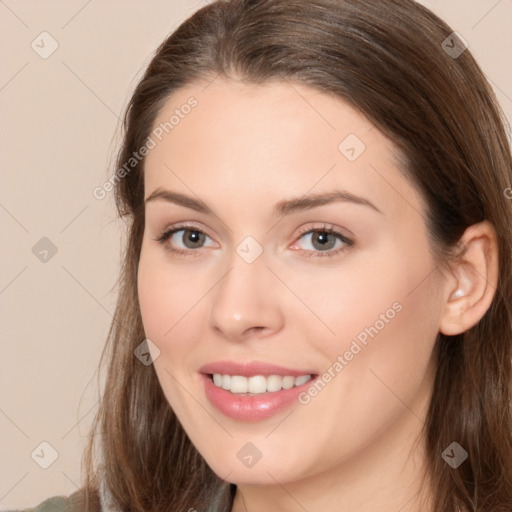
x=277 y=138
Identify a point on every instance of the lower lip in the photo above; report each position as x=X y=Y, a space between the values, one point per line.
x=251 y=408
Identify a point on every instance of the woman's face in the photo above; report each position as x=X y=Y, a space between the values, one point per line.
x=259 y=288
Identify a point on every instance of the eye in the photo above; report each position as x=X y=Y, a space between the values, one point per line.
x=321 y=240
x=183 y=239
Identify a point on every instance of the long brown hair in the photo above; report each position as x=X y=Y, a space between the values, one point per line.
x=390 y=60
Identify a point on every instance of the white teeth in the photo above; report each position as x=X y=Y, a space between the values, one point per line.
x=289 y=382
x=257 y=384
x=302 y=380
x=226 y=382
x=275 y=382
x=239 y=384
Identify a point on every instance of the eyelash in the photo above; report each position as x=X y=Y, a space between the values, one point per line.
x=164 y=236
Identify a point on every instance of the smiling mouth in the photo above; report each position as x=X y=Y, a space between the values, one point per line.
x=257 y=384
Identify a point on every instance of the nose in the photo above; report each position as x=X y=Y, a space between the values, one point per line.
x=246 y=302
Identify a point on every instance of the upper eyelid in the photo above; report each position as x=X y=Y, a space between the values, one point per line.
x=186 y=225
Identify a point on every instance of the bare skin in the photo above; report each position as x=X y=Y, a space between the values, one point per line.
x=356 y=445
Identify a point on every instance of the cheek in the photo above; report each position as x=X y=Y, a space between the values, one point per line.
x=396 y=331
x=166 y=298
x=387 y=288
x=155 y=301
x=349 y=301
x=383 y=316
x=166 y=294
x=385 y=335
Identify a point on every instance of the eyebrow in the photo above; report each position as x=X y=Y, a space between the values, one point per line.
x=282 y=208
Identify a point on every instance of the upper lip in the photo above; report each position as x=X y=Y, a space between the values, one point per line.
x=250 y=369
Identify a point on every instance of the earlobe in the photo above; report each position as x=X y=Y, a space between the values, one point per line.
x=472 y=286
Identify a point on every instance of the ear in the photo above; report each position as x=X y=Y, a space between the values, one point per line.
x=470 y=288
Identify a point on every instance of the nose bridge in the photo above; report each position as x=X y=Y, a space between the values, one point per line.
x=244 y=298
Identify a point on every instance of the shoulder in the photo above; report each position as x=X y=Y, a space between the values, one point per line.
x=73 y=503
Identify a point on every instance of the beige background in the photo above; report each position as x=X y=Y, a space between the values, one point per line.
x=59 y=118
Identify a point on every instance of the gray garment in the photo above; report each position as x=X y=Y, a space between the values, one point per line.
x=75 y=503
x=72 y=503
